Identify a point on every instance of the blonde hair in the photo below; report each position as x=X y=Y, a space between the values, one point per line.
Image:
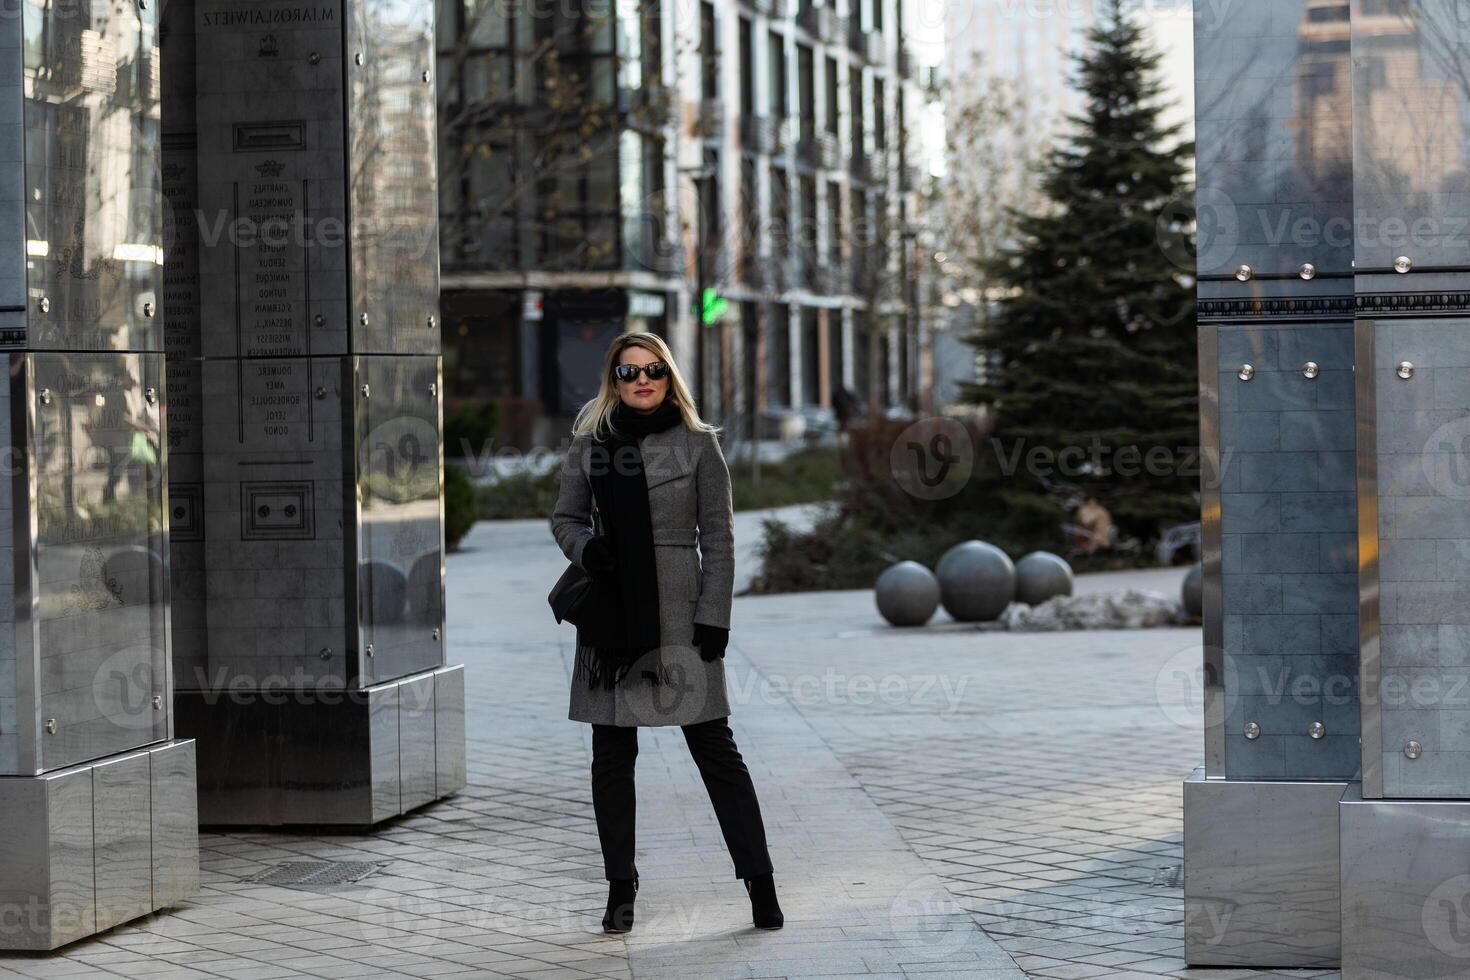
x=595 y=417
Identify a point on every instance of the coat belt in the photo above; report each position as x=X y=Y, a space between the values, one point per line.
x=676 y=535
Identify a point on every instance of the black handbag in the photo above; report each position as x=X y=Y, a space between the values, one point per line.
x=570 y=597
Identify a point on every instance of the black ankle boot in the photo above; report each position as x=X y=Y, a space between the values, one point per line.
x=619 y=914
x=765 y=911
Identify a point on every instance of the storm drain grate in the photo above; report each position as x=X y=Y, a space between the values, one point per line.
x=303 y=873
x=1168 y=877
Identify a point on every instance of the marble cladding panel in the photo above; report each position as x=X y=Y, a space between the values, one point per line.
x=1423 y=483
x=1289 y=550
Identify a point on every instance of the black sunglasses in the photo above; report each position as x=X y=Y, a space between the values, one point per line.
x=628 y=373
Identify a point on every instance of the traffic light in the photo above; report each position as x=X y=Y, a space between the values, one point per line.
x=712 y=307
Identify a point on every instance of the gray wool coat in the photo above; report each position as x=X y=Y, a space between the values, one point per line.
x=694 y=555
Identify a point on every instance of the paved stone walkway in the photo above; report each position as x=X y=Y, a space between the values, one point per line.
x=940 y=804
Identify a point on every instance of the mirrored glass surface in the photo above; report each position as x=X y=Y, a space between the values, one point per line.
x=93 y=221
x=1411 y=104
x=1274 y=136
x=392 y=193
x=400 y=576
x=100 y=553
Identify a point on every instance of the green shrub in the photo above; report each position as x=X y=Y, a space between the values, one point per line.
x=520 y=495
x=805 y=476
x=471 y=429
x=461 y=509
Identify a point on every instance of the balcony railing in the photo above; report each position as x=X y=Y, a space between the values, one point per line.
x=861 y=43
x=647 y=105
x=829 y=152
x=906 y=62
x=753 y=269
x=709 y=122
x=762 y=134
x=774 y=9
x=868 y=169
x=820 y=22
x=809 y=150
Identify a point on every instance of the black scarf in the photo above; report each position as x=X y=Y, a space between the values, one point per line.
x=627 y=627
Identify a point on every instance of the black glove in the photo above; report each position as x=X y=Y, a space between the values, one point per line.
x=711 y=641
x=598 y=560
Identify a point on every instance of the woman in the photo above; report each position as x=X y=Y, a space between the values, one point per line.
x=664 y=575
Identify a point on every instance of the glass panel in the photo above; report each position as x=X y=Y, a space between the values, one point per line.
x=486 y=23
x=391 y=170
x=1275 y=141
x=100 y=553
x=94 y=215
x=401 y=575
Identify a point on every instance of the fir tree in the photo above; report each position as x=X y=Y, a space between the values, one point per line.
x=1092 y=347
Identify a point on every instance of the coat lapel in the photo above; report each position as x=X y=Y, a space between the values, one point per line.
x=667 y=455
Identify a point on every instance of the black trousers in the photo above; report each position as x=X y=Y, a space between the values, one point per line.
x=614 y=752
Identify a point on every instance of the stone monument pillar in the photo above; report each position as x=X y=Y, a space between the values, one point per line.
x=97 y=796
x=1405 y=867
x=1275 y=216
x=307 y=498
x=1359 y=851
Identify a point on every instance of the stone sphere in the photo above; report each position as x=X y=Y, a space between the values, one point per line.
x=1041 y=575
x=1193 y=592
x=907 y=594
x=976 y=581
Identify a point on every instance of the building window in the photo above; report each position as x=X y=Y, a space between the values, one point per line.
x=709 y=53
x=646 y=241
x=855 y=110
x=807 y=81
x=880 y=114
x=834 y=350
x=780 y=215
x=750 y=214
x=833 y=103
x=811 y=368
x=807 y=232
x=834 y=224
x=747 y=68
x=778 y=355
x=777 y=48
